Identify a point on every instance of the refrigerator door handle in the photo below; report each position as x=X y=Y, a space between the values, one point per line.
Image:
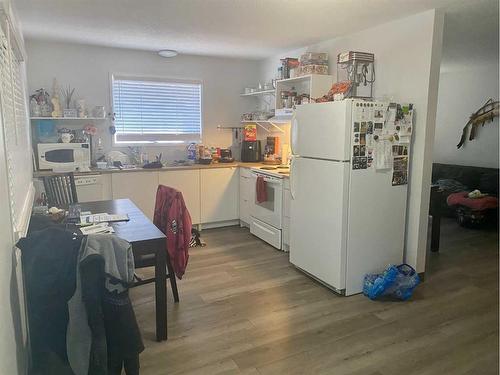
x=292 y=178
x=293 y=134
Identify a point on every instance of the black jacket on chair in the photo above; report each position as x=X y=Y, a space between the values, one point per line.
x=50 y=261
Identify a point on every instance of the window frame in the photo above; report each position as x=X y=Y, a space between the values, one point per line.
x=142 y=77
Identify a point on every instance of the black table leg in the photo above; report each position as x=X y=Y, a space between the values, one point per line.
x=434 y=210
x=161 y=294
x=173 y=281
x=436 y=233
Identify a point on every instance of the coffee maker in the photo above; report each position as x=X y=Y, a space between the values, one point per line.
x=226 y=156
x=250 y=151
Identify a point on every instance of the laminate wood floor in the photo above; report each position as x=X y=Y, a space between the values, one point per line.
x=245 y=309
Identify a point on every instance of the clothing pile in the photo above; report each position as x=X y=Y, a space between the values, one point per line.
x=81 y=319
x=472 y=208
x=478 y=203
x=451 y=185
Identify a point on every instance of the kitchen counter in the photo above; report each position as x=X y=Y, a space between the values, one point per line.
x=38 y=174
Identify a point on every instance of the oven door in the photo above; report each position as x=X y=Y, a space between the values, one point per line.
x=269 y=211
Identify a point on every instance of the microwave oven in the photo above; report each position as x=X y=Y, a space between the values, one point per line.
x=64 y=157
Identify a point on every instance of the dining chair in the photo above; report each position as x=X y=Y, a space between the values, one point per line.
x=60 y=189
x=165 y=196
x=150 y=261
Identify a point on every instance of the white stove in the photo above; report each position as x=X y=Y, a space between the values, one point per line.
x=273 y=170
x=266 y=217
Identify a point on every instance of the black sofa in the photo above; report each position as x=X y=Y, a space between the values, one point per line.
x=484 y=179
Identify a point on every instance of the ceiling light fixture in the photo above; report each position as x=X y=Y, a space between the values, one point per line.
x=168 y=53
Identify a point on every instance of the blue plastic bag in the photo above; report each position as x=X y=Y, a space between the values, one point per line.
x=396 y=281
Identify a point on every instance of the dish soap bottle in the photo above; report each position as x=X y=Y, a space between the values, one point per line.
x=191 y=153
x=99 y=150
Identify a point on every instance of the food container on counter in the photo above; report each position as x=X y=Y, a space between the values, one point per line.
x=205 y=160
x=102 y=165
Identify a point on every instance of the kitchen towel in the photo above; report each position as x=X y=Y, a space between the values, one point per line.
x=261 y=189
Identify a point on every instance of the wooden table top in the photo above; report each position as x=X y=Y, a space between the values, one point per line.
x=139 y=228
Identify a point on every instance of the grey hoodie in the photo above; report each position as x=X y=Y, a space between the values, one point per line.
x=118 y=265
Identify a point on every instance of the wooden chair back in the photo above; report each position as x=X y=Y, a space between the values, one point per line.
x=60 y=189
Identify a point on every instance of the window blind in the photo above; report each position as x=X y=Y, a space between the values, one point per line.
x=156 y=111
x=15 y=125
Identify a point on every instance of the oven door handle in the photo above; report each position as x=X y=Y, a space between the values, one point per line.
x=267 y=179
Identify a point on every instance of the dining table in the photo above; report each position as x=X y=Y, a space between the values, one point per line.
x=148 y=247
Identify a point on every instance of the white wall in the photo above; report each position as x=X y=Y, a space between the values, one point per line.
x=407 y=55
x=469 y=76
x=462 y=92
x=88 y=69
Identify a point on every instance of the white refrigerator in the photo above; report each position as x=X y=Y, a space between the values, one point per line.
x=348 y=182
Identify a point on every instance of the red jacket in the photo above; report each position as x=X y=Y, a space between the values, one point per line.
x=172 y=218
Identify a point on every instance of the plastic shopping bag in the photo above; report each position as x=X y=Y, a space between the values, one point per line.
x=396 y=281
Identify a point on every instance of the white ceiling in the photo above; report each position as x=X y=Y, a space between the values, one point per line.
x=236 y=28
x=470 y=34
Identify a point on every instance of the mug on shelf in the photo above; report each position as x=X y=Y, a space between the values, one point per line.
x=67 y=137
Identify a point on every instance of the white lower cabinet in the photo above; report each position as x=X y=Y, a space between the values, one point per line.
x=187 y=182
x=139 y=187
x=95 y=187
x=219 y=194
x=246 y=195
x=211 y=195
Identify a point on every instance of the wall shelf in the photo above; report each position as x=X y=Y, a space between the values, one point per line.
x=313 y=85
x=262 y=92
x=70 y=118
x=220 y=127
x=296 y=79
x=271 y=122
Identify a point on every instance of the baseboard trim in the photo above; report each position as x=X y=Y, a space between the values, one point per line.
x=220 y=224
